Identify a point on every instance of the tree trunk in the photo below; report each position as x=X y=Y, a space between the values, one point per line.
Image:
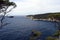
x=3 y=17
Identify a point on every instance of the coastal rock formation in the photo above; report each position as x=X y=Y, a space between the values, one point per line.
x=46 y=17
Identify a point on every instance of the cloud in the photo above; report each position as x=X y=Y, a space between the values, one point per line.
x=25 y=7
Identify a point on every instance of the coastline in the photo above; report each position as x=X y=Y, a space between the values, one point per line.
x=55 y=17
x=46 y=20
x=49 y=19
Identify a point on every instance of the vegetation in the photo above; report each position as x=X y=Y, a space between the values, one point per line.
x=51 y=38
x=46 y=16
x=54 y=36
x=57 y=33
x=35 y=35
x=4 y=5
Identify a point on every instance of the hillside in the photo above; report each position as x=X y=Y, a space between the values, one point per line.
x=46 y=16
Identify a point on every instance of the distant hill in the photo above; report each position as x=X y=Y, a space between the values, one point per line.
x=50 y=16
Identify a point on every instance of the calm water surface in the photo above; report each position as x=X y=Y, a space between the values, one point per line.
x=20 y=28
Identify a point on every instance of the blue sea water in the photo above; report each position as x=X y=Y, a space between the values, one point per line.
x=20 y=28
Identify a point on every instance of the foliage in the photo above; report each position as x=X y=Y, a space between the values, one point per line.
x=57 y=33
x=51 y=38
x=4 y=5
x=46 y=16
x=35 y=35
x=55 y=36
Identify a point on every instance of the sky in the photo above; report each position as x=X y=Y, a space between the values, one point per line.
x=31 y=7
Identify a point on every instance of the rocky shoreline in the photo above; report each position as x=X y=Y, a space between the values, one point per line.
x=49 y=19
x=46 y=17
x=46 y=20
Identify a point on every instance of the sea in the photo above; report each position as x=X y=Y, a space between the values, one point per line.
x=20 y=28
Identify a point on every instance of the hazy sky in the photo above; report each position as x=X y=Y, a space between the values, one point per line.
x=26 y=7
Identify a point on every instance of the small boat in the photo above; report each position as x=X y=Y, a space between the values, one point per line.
x=10 y=16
